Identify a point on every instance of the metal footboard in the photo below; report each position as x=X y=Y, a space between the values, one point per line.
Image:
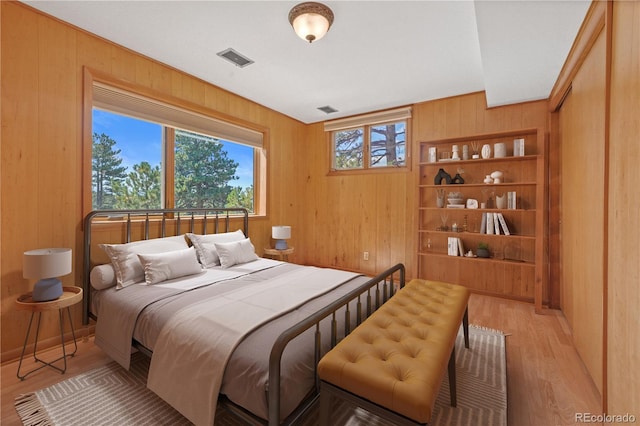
x=368 y=297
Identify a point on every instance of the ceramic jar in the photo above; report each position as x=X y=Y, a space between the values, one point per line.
x=486 y=151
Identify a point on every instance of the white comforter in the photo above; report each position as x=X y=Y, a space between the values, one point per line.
x=194 y=346
x=120 y=309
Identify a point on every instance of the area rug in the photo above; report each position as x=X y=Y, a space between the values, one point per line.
x=110 y=395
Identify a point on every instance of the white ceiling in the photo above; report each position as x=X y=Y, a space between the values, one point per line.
x=377 y=54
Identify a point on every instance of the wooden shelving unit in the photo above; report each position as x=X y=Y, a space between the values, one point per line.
x=517 y=267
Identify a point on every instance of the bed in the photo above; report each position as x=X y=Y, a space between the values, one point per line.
x=240 y=330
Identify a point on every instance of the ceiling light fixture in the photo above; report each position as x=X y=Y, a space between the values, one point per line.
x=311 y=20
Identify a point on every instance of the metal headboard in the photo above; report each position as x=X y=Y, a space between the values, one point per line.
x=197 y=220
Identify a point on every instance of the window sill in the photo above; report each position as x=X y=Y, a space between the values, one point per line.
x=384 y=170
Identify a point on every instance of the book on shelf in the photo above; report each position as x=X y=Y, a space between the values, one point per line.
x=452 y=246
x=511 y=200
x=455 y=246
x=496 y=224
x=483 y=223
x=518 y=147
x=503 y=224
x=490 y=226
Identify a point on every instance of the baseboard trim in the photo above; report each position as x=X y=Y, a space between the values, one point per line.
x=82 y=335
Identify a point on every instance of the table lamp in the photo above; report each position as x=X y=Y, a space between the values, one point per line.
x=281 y=234
x=46 y=265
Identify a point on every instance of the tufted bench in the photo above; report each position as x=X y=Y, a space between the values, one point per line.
x=393 y=363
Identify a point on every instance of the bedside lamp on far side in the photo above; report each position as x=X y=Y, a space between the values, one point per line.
x=281 y=234
x=46 y=265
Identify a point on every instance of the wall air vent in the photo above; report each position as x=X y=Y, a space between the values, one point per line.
x=328 y=109
x=235 y=57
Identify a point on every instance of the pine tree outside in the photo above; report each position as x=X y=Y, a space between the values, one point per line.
x=370 y=147
x=127 y=171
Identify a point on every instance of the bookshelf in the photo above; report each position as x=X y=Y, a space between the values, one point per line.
x=517 y=263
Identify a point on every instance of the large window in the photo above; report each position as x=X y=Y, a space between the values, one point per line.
x=148 y=154
x=374 y=141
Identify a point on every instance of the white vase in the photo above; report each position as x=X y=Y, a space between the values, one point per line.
x=486 y=151
x=456 y=152
x=499 y=150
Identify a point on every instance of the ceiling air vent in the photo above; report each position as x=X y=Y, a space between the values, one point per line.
x=235 y=57
x=327 y=109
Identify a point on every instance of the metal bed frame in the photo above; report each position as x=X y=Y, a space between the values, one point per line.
x=367 y=297
x=219 y=218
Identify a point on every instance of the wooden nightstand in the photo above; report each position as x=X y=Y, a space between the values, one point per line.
x=70 y=296
x=278 y=254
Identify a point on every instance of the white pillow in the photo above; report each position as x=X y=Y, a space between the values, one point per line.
x=236 y=252
x=166 y=266
x=124 y=257
x=102 y=276
x=205 y=245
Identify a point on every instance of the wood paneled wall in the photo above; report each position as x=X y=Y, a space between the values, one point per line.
x=41 y=164
x=349 y=214
x=623 y=273
x=334 y=218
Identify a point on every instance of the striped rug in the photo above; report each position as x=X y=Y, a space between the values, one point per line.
x=110 y=395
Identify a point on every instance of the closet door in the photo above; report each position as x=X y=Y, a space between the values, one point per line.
x=582 y=208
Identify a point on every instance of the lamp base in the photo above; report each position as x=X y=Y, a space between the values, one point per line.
x=281 y=245
x=47 y=289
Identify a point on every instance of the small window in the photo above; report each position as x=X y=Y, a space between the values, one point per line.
x=388 y=143
x=375 y=141
x=348 y=148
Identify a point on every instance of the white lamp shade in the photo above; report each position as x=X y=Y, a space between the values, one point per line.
x=310 y=26
x=281 y=232
x=46 y=263
x=311 y=20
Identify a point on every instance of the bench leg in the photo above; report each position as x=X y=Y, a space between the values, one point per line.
x=452 y=377
x=465 y=327
x=325 y=406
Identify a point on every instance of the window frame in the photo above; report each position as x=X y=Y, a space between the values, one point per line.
x=366 y=122
x=93 y=77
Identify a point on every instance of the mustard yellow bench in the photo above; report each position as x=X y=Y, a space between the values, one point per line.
x=393 y=363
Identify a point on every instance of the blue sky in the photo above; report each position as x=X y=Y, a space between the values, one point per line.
x=141 y=140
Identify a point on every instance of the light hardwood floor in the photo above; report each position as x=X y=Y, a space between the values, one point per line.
x=547 y=382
